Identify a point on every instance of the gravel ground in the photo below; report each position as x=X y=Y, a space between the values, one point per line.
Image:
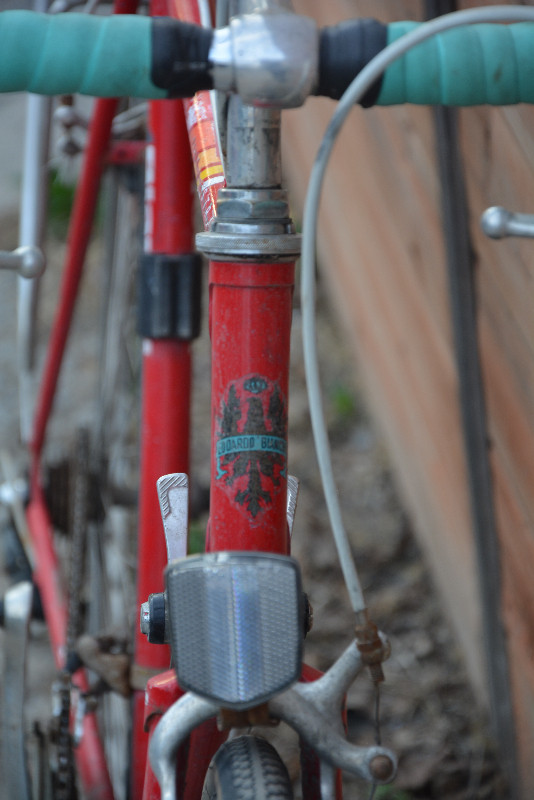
x=428 y=713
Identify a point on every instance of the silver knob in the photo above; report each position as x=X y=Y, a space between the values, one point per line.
x=28 y=261
x=498 y=222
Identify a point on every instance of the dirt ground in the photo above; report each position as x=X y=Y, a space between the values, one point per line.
x=428 y=712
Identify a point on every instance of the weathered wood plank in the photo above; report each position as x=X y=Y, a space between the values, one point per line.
x=382 y=252
x=382 y=226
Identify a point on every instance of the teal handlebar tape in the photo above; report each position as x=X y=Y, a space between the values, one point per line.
x=111 y=57
x=76 y=53
x=467 y=66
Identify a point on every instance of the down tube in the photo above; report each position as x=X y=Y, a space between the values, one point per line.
x=250 y=321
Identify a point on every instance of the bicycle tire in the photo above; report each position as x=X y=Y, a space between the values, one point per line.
x=117 y=416
x=111 y=571
x=247 y=768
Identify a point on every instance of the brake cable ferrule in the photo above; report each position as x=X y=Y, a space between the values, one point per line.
x=373 y=646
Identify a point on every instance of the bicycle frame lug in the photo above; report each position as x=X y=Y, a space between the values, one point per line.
x=498 y=223
x=173 y=493
x=251 y=224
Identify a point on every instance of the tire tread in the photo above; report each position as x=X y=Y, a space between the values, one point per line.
x=247 y=768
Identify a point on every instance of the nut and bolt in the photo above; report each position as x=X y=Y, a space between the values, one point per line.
x=145 y=618
x=153 y=619
x=252 y=204
x=382 y=768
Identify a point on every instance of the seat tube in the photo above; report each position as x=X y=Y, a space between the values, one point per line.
x=166 y=374
x=252 y=249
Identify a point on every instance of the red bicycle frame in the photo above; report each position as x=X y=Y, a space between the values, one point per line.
x=166 y=398
x=90 y=756
x=166 y=388
x=250 y=319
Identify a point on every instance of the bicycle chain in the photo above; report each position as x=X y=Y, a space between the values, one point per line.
x=65 y=776
x=79 y=517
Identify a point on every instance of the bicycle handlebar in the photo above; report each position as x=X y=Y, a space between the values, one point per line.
x=76 y=54
x=470 y=65
x=157 y=58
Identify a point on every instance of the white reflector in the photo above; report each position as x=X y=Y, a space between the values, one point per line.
x=236 y=625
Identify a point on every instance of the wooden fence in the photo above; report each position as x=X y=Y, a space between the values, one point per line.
x=383 y=255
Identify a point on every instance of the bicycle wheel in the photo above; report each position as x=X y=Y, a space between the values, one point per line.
x=247 y=768
x=111 y=554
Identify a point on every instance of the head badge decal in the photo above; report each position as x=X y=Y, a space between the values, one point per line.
x=251 y=452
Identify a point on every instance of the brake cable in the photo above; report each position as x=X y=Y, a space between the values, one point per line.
x=353 y=94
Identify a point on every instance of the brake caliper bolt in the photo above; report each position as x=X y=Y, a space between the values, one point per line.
x=382 y=768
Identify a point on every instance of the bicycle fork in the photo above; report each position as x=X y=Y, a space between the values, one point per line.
x=236 y=616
